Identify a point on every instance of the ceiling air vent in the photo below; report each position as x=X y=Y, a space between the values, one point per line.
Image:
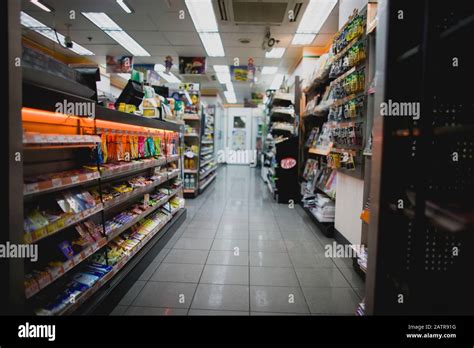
x=296 y=11
x=248 y=12
x=223 y=10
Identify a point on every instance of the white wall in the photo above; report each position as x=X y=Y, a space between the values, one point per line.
x=349 y=205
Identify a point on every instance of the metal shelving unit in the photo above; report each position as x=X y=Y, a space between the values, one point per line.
x=207 y=159
x=66 y=155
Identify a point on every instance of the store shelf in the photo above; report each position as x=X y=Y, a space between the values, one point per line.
x=207 y=152
x=41 y=140
x=131 y=119
x=173 y=174
x=203 y=163
x=202 y=186
x=327 y=228
x=58 y=272
x=191 y=135
x=191 y=117
x=132 y=167
x=172 y=158
x=188 y=190
x=124 y=266
x=61 y=224
x=280 y=96
x=207 y=142
x=59 y=183
x=202 y=176
x=190 y=171
x=320 y=151
x=118 y=231
x=133 y=194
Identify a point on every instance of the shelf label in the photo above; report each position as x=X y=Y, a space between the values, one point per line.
x=30 y=188
x=56 y=182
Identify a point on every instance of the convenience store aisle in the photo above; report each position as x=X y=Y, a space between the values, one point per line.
x=240 y=253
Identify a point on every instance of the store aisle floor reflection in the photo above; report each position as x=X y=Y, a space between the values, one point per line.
x=240 y=253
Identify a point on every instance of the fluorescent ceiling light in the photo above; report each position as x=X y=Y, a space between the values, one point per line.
x=40 y=28
x=230 y=97
x=313 y=19
x=229 y=86
x=269 y=70
x=303 y=39
x=223 y=77
x=277 y=52
x=202 y=14
x=221 y=68
x=124 y=6
x=277 y=81
x=212 y=44
x=170 y=77
x=159 y=67
x=112 y=29
x=204 y=19
x=41 y=6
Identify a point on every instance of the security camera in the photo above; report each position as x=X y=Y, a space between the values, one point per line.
x=68 y=42
x=269 y=42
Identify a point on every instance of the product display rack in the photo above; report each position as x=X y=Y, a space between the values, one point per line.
x=192 y=138
x=336 y=127
x=68 y=152
x=280 y=155
x=207 y=161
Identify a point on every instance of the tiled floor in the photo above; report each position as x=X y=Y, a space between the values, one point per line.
x=240 y=253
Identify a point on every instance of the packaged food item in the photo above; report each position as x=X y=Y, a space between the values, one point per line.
x=66 y=249
x=34 y=221
x=86 y=279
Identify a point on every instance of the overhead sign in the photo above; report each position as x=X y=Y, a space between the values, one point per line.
x=239 y=73
x=192 y=65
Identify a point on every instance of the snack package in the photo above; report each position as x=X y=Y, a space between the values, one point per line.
x=34 y=221
x=141 y=147
x=66 y=249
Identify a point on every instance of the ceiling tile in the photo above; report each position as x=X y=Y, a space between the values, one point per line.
x=177 y=38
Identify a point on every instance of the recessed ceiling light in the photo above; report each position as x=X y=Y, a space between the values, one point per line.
x=40 y=28
x=124 y=6
x=244 y=41
x=277 y=52
x=269 y=70
x=221 y=68
x=41 y=5
x=313 y=19
x=105 y=23
x=230 y=97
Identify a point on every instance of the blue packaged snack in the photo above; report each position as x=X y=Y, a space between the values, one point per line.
x=86 y=279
